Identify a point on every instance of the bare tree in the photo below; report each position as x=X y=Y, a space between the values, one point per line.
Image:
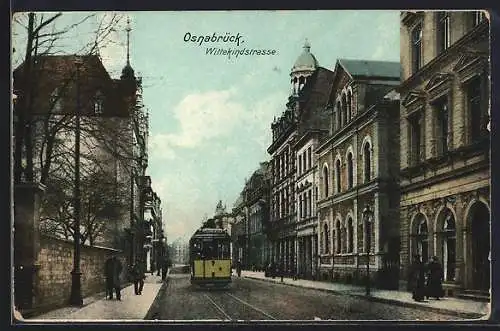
x=42 y=131
x=41 y=40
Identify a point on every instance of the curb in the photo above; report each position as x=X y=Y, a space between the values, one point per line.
x=153 y=311
x=462 y=314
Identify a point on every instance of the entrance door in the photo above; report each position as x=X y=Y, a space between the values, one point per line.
x=480 y=246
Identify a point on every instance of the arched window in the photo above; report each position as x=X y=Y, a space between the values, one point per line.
x=327 y=239
x=338 y=237
x=422 y=239
x=337 y=175
x=350 y=236
x=448 y=243
x=349 y=105
x=302 y=82
x=344 y=109
x=367 y=161
x=98 y=103
x=339 y=116
x=325 y=180
x=350 y=171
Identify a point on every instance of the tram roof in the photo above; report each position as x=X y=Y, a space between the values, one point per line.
x=210 y=233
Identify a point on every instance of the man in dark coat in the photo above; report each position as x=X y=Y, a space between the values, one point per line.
x=165 y=264
x=417 y=279
x=138 y=277
x=113 y=269
x=435 y=279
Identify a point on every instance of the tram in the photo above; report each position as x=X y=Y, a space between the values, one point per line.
x=210 y=257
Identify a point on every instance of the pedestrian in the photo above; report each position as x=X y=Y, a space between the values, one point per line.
x=164 y=268
x=435 y=279
x=417 y=279
x=138 y=276
x=108 y=272
x=113 y=269
x=238 y=267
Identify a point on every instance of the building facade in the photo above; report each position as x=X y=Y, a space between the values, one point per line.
x=306 y=194
x=257 y=204
x=357 y=164
x=310 y=84
x=445 y=169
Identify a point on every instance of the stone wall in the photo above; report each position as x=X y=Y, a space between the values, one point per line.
x=53 y=277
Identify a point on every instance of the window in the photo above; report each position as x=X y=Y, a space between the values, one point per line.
x=416 y=46
x=304 y=198
x=327 y=240
x=299 y=158
x=441 y=128
x=300 y=206
x=325 y=180
x=339 y=116
x=309 y=158
x=367 y=162
x=478 y=17
x=477 y=116
x=337 y=175
x=449 y=247
x=304 y=165
x=309 y=197
x=443 y=31
x=349 y=105
x=338 y=237
x=350 y=236
x=423 y=240
x=344 y=109
x=98 y=103
x=350 y=171
x=55 y=101
x=415 y=122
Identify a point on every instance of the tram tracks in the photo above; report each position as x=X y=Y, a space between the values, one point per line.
x=229 y=306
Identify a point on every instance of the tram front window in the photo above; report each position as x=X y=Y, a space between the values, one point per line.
x=216 y=249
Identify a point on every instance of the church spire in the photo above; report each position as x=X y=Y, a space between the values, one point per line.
x=128 y=29
x=128 y=72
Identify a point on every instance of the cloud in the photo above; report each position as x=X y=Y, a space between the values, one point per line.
x=201 y=117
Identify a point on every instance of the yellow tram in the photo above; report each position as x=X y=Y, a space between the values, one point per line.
x=210 y=257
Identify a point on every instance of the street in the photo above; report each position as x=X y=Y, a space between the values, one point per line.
x=248 y=299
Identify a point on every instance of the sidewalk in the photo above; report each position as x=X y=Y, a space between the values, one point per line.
x=98 y=308
x=448 y=305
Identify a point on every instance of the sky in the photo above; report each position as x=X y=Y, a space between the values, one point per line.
x=211 y=115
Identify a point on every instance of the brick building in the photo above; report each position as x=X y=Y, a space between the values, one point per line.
x=358 y=168
x=445 y=169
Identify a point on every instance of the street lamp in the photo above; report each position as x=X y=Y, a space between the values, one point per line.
x=367 y=219
x=76 y=286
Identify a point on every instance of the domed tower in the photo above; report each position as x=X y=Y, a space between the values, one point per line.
x=305 y=65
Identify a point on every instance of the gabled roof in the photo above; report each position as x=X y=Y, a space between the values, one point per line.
x=368 y=68
x=58 y=72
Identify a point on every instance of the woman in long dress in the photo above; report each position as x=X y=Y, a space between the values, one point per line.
x=435 y=279
x=417 y=279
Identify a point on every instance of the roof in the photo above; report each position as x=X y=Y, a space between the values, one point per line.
x=367 y=68
x=306 y=60
x=53 y=73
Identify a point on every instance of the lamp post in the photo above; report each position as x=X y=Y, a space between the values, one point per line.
x=76 y=286
x=367 y=216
